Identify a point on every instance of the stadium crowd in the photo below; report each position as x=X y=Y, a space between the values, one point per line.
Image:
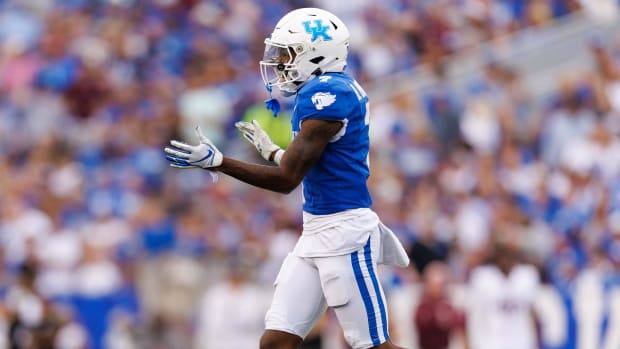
x=104 y=247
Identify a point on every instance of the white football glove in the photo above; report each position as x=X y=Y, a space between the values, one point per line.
x=204 y=155
x=260 y=139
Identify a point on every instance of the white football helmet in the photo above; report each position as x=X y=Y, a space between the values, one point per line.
x=304 y=43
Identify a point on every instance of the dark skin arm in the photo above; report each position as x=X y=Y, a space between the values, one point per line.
x=303 y=152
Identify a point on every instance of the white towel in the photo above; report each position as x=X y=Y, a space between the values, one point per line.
x=392 y=251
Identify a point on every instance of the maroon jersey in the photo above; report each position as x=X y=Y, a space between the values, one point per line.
x=435 y=321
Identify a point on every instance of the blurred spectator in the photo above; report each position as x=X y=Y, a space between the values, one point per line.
x=33 y=321
x=231 y=312
x=21 y=227
x=572 y=120
x=429 y=246
x=98 y=283
x=437 y=321
x=500 y=312
x=444 y=110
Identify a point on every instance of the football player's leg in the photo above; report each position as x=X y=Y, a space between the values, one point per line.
x=388 y=345
x=273 y=339
x=352 y=288
x=297 y=305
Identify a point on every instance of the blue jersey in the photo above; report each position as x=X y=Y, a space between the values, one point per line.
x=337 y=182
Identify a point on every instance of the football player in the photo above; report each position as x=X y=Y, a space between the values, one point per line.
x=334 y=263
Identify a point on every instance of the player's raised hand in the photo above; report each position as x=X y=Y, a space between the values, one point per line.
x=204 y=155
x=261 y=140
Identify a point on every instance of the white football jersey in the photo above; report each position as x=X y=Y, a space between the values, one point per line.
x=500 y=311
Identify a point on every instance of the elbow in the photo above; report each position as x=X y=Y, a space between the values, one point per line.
x=288 y=186
x=287 y=189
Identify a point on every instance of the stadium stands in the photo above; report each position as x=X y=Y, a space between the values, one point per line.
x=104 y=247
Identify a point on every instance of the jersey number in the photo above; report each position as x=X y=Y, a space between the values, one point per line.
x=363 y=98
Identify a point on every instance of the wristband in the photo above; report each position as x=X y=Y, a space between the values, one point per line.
x=278 y=156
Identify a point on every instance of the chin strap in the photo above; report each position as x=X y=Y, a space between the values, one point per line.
x=272 y=103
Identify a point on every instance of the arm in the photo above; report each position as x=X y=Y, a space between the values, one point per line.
x=303 y=152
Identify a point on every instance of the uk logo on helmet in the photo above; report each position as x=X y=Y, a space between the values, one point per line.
x=318 y=30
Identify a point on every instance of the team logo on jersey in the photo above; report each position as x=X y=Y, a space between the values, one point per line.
x=324 y=78
x=318 y=30
x=323 y=99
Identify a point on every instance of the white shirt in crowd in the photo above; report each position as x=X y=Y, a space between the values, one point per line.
x=500 y=312
x=231 y=316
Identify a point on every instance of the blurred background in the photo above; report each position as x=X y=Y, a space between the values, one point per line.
x=495 y=158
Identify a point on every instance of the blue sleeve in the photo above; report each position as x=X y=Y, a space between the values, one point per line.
x=331 y=100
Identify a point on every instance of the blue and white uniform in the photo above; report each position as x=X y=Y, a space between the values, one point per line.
x=335 y=260
x=338 y=181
